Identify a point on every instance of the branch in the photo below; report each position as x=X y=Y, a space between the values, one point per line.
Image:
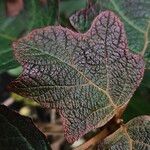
x=146 y=40
x=109 y=128
x=95 y=140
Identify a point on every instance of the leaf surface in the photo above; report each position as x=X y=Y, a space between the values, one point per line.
x=86 y=77
x=135 y=14
x=18 y=132
x=32 y=16
x=134 y=135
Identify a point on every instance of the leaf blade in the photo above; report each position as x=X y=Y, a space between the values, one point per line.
x=134 y=135
x=84 y=76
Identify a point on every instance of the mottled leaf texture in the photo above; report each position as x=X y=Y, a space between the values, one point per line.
x=135 y=14
x=18 y=132
x=135 y=135
x=87 y=77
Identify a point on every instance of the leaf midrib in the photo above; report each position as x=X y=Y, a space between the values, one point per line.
x=109 y=117
x=125 y=18
x=146 y=40
x=131 y=140
x=74 y=67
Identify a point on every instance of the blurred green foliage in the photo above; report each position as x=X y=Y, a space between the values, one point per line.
x=34 y=15
x=140 y=102
x=26 y=101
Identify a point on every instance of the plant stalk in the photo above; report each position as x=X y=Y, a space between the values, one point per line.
x=95 y=140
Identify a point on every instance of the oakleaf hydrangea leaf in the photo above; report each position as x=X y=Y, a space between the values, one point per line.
x=19 y=132
x=135 y=14
x=86 y=77
x=135 y=135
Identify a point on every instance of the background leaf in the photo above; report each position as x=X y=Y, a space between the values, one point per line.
x=135 y=15
x=139 y=103
x=11 y=28
x=87 y=77
x=18 y=132
x=133 y=135
x=75 y=5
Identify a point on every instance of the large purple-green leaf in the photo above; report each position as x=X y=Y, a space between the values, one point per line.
x=18 y=132
x=135 y=135
x=135 y=15
x=86 y=77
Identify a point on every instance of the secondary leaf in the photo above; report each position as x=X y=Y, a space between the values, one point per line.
x=87 y=77
x=135 y=15
x=18 y=132
x=81 y=20
x=134 y=135
x=32 y=16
